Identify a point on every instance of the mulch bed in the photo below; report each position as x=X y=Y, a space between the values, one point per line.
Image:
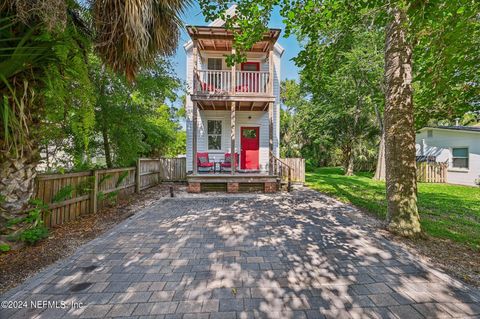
x=16 y=266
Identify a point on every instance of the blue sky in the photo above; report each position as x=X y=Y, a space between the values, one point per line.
x=194 y=16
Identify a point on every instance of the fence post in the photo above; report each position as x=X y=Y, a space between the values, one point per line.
x=289 y=185
x=159 y=170
x=137 y=177
x=94 y=193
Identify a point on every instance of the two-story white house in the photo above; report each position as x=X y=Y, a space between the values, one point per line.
x=232 y=110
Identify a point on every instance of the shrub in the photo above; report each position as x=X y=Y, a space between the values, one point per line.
x=33 y=235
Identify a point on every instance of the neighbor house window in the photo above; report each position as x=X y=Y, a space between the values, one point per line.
x=214 y=132
x=429 y=133
x=460 y=157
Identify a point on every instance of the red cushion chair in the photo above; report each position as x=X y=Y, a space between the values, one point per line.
x=227 y=164
x=203 y=162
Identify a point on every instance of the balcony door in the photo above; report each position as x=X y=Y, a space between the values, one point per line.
x=214 y=79
x=250 y=77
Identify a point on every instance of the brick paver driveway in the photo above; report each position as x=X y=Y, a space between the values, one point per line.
x=299 y=255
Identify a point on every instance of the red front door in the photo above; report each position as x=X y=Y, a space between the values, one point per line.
x=250 y=143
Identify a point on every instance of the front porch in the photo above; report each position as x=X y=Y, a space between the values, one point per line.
x=233 y=183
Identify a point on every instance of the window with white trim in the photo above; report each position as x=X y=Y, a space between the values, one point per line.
x=214 y=135
x=214 y=63
x=460 y=157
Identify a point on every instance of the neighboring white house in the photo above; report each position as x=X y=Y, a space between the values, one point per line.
x=457 y=145
x=247 y=93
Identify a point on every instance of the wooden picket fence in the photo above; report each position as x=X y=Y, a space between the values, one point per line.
x=69 y=196
x=297 y=166
x=432 y=172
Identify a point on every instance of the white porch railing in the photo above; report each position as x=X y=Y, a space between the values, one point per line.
x=252 y=82
x=213 y=81
x=220 y=82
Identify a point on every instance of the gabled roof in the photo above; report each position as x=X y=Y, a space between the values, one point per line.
x=474 y=129
x=216 y=30
x=231 y=12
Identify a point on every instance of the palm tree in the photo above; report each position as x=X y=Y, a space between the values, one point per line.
x=402 y=211
x=126 y=34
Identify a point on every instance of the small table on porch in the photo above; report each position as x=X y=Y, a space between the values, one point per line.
x=217 y=168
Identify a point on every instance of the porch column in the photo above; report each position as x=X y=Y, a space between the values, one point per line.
x=233 y=158
x=234 y=76
x=270 y=138
x=271 y=69
x=194 y=138
x=194 y=108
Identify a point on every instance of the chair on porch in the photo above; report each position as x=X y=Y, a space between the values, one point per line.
x=226 y=166
x=203 y=163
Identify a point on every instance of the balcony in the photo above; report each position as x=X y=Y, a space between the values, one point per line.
x=222 y=83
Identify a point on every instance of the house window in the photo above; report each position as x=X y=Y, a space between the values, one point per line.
x=460 y=157
x=214 y=63
x=214 y=133
x=429 y=133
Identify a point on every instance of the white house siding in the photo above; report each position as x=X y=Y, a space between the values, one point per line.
x=440 y=144
x=258 y=118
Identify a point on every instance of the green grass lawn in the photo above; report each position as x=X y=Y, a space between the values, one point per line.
x=446 y=211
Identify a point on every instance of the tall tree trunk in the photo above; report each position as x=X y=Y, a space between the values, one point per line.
x=349 y=171
x=17 y=177
x=402 y=214
x=106 y=147
x=347 y=160
x=380 y=169
x=349 y=163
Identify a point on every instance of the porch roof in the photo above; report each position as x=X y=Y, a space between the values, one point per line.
x=212 y=38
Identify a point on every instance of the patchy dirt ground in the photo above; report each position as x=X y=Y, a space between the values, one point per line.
x=16 y=266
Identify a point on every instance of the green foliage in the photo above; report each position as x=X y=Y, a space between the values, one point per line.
x=33 y=235
x=100 y=195
x=341 y=62
x=74 y=98
x=63 y=194
x=104 y=178
x=85 y=186
x=133 y=120
x=4 y=248
x=29 y=228
x=121 y=178
x=112 y=197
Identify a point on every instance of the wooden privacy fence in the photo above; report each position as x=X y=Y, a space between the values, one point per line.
x=69 y=196
x=432 y=172
x=297 y=169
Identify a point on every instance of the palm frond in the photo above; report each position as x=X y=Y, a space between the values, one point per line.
x=130 y=33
